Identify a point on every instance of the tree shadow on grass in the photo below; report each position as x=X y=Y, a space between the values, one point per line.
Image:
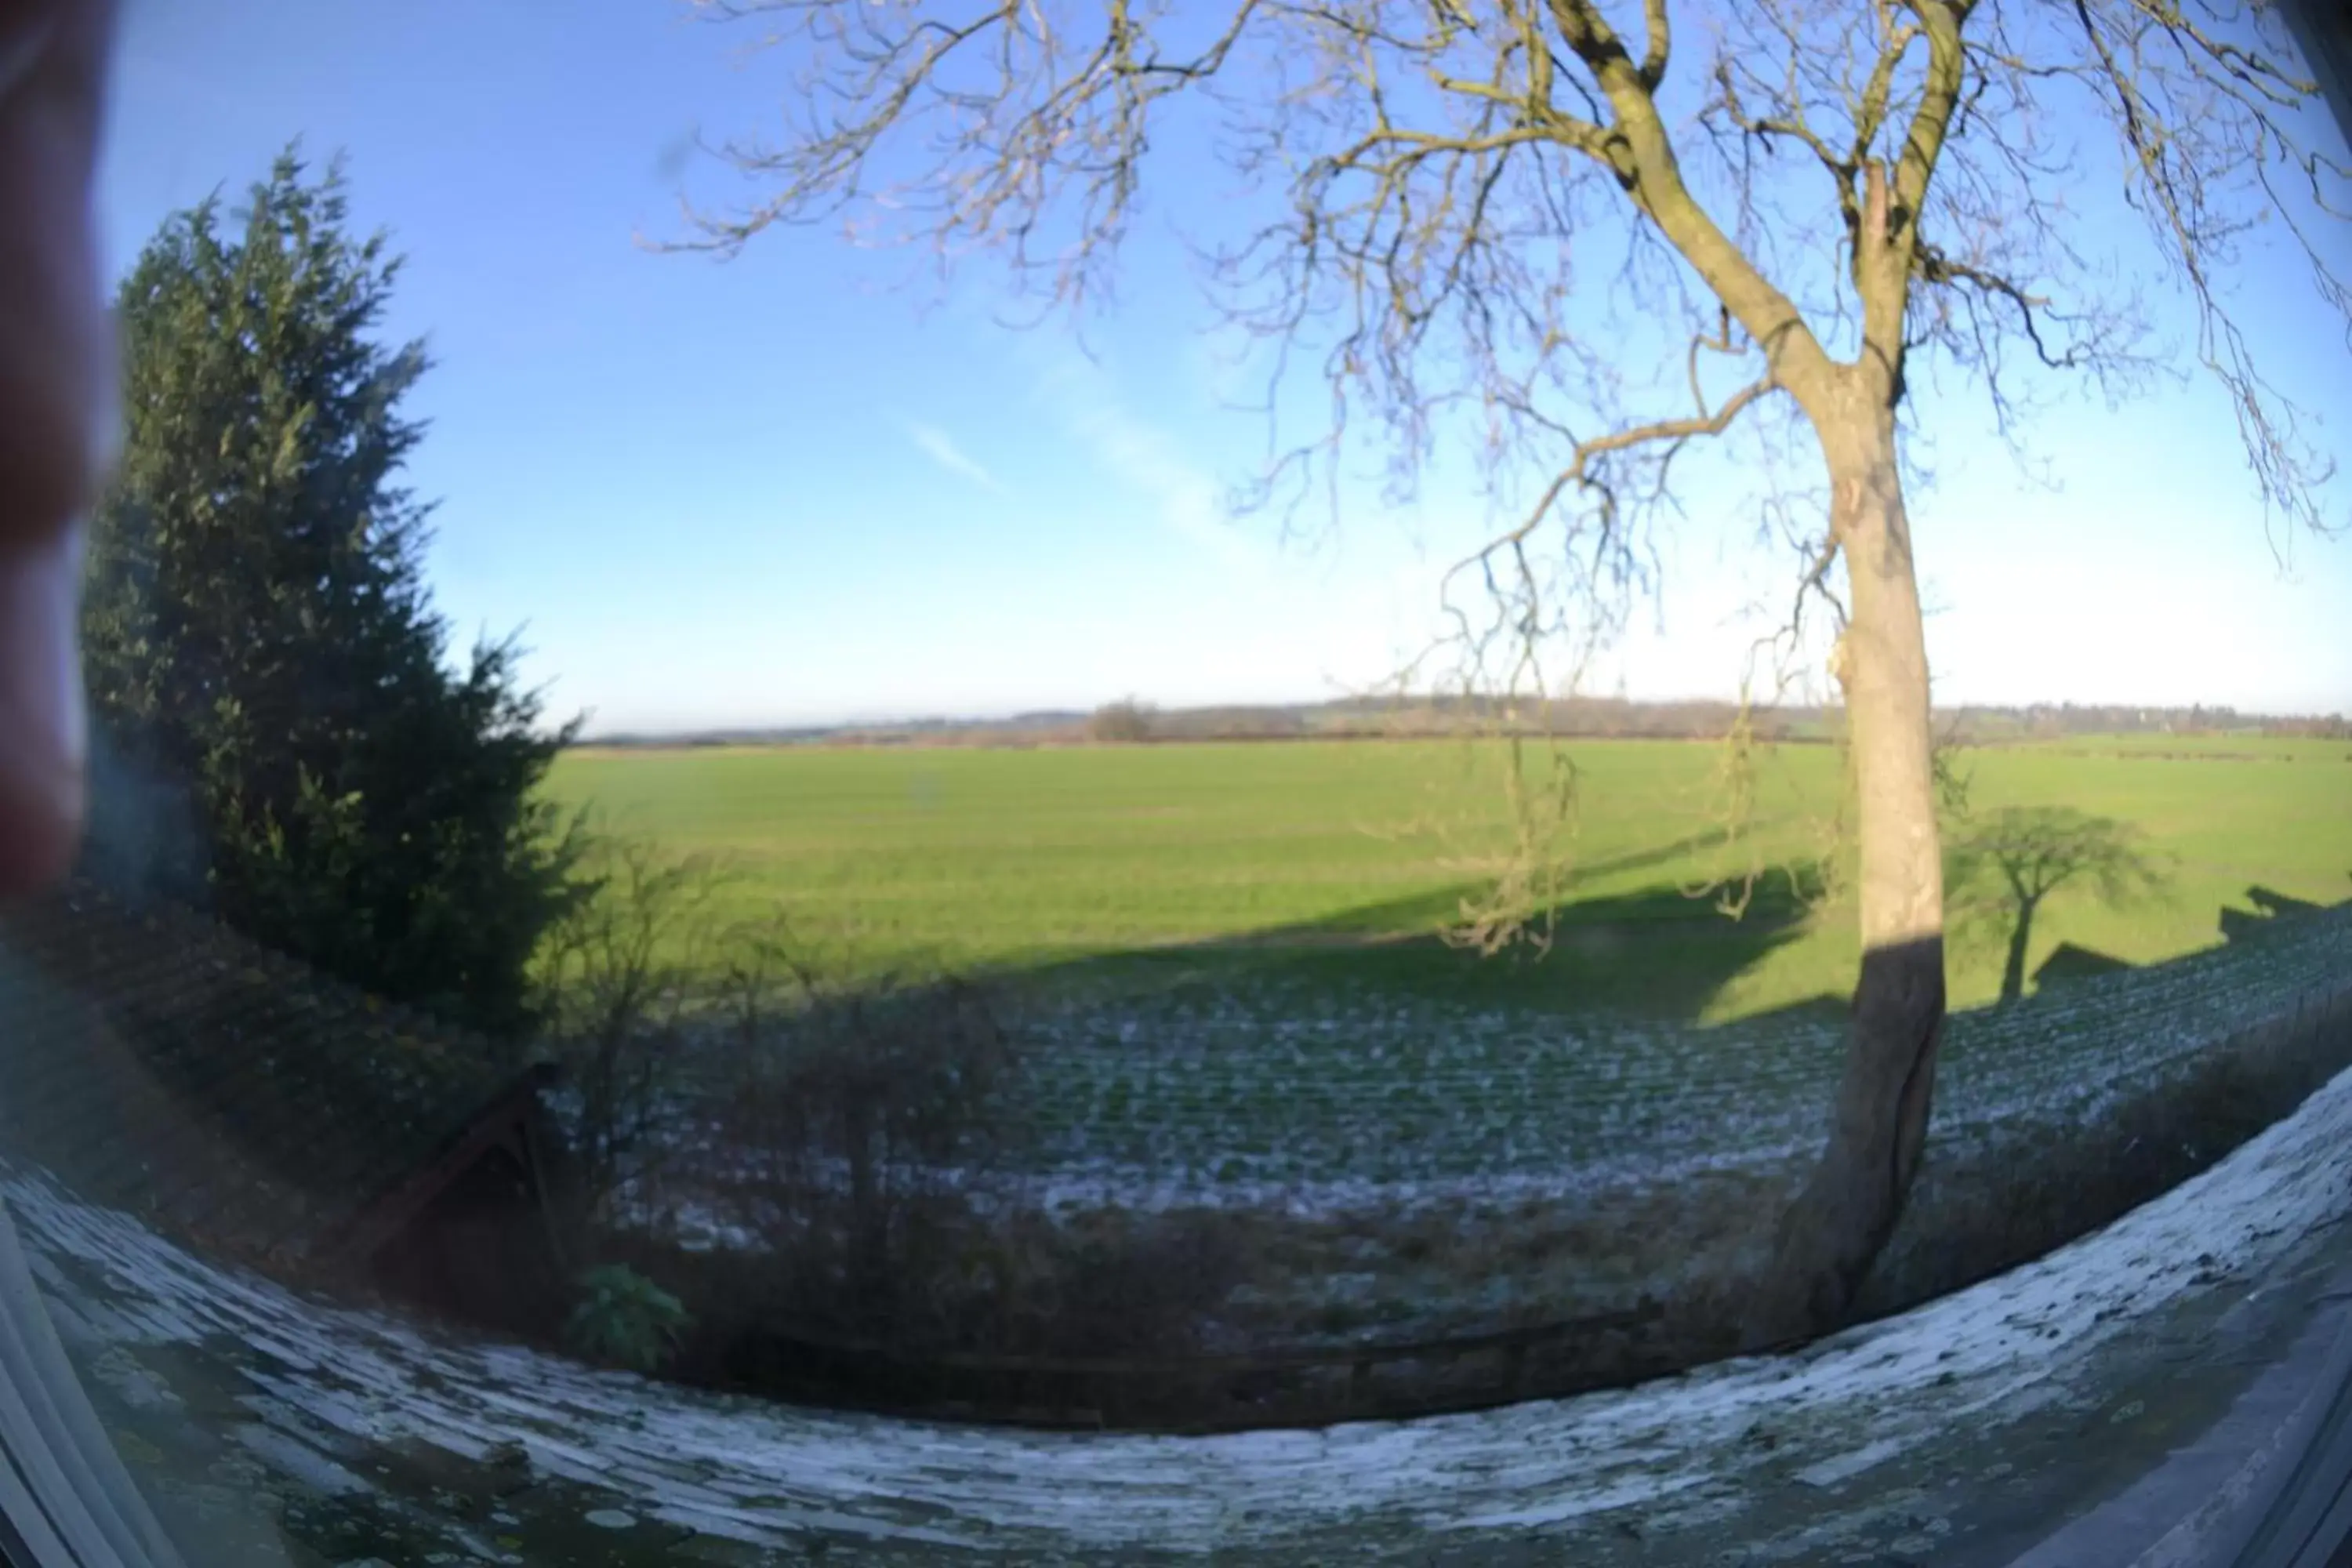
x=1825 y=1008
x=1657 y=953
x=2273 y=910
x=2001 y=869
x=2070 y=961
x=1430 y=909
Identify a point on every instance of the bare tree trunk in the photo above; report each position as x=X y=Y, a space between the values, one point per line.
x=1842 y=1218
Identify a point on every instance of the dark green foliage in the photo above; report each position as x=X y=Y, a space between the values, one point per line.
x=260 y=645
x=624 y=1319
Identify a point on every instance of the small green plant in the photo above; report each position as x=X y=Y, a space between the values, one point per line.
x=624 y=1319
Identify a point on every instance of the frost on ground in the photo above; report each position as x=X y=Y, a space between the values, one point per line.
x=1410 y=1168
x=1324 y=1105
x=321 y=1388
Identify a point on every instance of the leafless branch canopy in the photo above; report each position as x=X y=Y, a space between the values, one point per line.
x=1592 y=232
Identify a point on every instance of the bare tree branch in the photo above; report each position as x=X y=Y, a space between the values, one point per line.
x=1479 y=228
x=1658 y=43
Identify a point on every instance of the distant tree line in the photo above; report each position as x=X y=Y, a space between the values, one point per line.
x=2111 y=718
x=1130 y=721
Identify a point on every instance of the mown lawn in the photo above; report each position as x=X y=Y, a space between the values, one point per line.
x=1334 y=861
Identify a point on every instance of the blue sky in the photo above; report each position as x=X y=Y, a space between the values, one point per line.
x=781 y=490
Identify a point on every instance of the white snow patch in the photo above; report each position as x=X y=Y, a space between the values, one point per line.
x=760 y=1473
x=298 y=1460
x=1845 y=1467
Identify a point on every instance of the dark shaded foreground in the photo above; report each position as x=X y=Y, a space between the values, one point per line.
x=1114 y=1338
x=274 y=1431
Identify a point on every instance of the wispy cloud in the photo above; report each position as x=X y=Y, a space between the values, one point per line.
x=940 y=448
x=1187 y=498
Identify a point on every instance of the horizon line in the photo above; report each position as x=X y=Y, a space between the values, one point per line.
x=1034 y=715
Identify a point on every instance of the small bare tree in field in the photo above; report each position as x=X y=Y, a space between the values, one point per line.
x=1471 y=208
x=1125 y=723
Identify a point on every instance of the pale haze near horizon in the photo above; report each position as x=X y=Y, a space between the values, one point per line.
x=781 y=491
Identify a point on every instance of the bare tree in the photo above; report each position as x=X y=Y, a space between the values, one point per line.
x=622 y=979
x=2010 y=861
x=852 y=1103
x=1589 y=236
x=1125 y=723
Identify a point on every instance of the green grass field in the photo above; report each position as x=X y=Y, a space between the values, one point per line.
x=1334 y=862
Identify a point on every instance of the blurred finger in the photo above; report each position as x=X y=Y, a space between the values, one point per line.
x=43 y=742
x=59 y=419
x=58 y=371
